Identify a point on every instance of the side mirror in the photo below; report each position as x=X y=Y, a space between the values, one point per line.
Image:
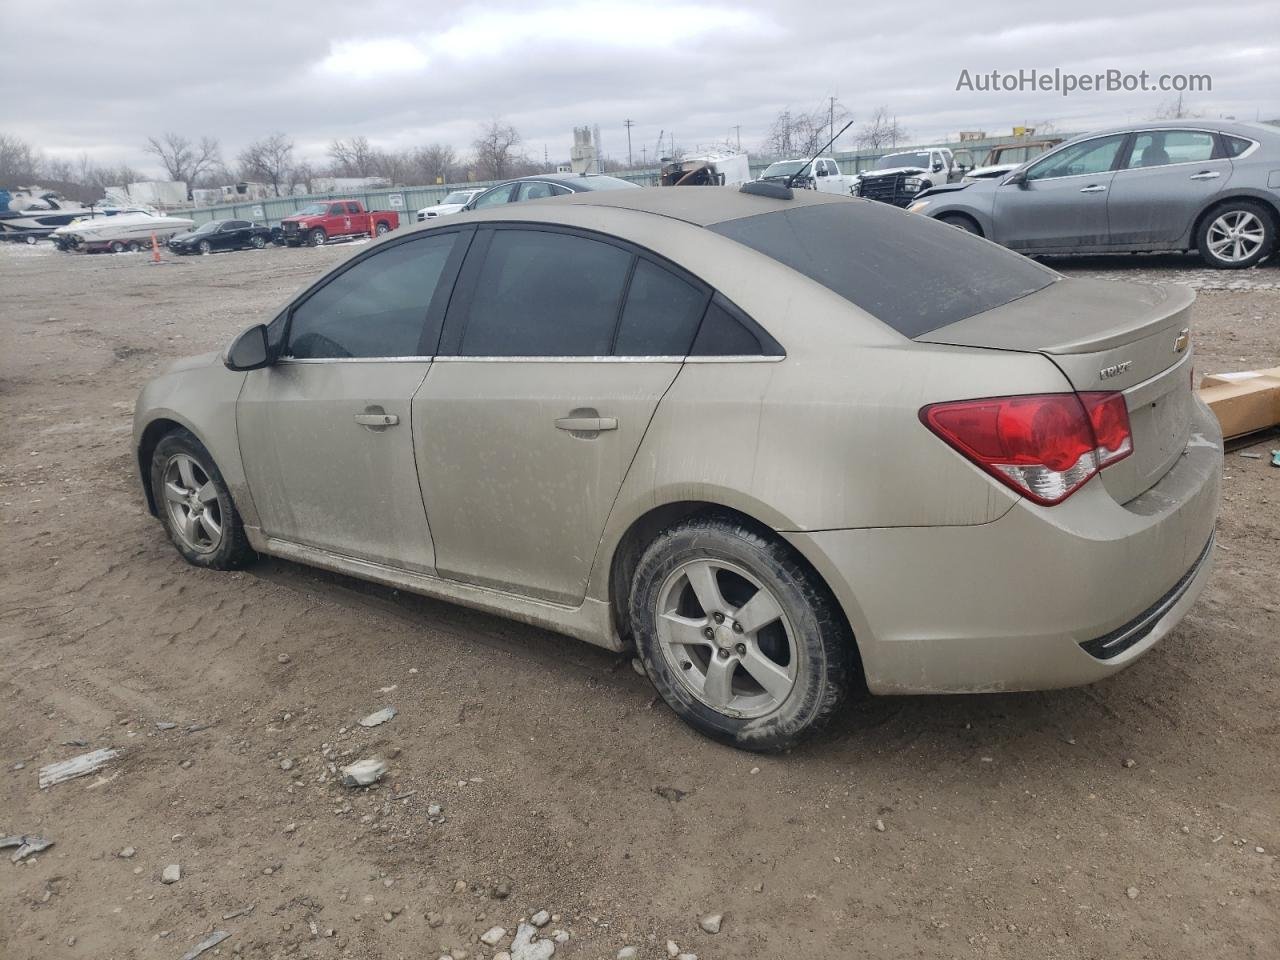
x=822 y=171
x=1017 y=179
x=249 y=351
x=937 y=168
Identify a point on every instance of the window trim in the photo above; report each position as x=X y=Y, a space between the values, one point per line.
x=1218 y=153
x=448 y=280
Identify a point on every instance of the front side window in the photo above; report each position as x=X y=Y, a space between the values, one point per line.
x=544 y=294
x=496 y=196
x=1080 y=159
x=376 y=308
x=1158 y=148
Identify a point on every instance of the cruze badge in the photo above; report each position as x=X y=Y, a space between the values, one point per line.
x=1106 y=373
x=1183 y=339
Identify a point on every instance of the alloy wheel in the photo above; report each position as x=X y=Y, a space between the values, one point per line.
x=1236 y=235
x=725 y=637
x=191 y=500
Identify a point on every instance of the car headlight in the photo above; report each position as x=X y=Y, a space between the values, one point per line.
x=914 y=184
x=918 y=206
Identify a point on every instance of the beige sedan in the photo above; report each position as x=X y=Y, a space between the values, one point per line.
x=784 y=449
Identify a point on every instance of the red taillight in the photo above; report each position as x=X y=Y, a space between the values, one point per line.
x=1044 y=446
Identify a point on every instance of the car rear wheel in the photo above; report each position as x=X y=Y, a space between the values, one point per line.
x=1236 y=235
x=195 y=504
x=259 y=242
x=960 y=222
x=740 y=638
x=318 y=237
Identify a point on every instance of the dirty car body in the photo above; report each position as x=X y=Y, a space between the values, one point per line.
x=996 y=478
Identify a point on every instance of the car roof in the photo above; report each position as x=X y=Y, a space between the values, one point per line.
x=701 y=206
x=1236 y=127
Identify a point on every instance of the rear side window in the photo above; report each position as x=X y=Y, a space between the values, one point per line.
x=1236 y=145
x=661 y=315
x=544 y=294
x=728 y=332
x=353 y=208
x=910 y=273
x=376 y=308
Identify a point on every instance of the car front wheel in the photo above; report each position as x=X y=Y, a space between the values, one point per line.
x=206 y=248
x=740 y=638
x=318 y=237
x=1236 y=235
x=195 y=504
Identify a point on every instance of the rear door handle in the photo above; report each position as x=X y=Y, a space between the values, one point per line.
x=587 y=424
x=1096 y=188
x=1206 y=175
x=377 y=419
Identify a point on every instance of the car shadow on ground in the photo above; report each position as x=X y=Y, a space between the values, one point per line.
x=1042 y=731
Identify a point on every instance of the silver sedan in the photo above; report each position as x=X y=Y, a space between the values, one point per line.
x=1209 y=186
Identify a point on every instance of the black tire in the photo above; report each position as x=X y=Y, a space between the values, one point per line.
x=381 y=228
x=258 y=242
x=317 y=237
x=960 y=222
x=117 y=247
x=1237 y=208
x=205 y=248
x=233 y=550
x=825 y=654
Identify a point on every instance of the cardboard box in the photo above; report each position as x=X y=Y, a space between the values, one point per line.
x=1218 y=379
x=1243 y=402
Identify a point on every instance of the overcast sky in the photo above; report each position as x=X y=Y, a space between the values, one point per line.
x=100 y=77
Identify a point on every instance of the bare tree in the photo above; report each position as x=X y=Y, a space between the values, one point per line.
x=268 y=161
x=1174 y=109
x=355 y=157
x=497 y=151
x=881 y=131
x=435 y=163
x=302 y=174
x=182 y=159
x=795 y=135
x=20 y=163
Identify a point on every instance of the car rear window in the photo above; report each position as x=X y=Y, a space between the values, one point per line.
x=913 y=274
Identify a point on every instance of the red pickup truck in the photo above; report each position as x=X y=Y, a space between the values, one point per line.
x=326 y=220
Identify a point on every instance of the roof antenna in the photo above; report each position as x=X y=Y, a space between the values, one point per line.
x=791 y=179
x=782 y=191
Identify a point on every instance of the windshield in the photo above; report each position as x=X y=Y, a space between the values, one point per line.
x=902 y=270
x=459 y=196
x=783 y=168
x=313 y=210
x=209 y=227
x=903 y=160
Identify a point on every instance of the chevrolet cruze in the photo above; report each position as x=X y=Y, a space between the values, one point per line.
x=784 y=447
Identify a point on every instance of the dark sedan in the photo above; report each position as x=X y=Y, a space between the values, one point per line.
x=1206 y=185
x=546 y=185
x=221 y=235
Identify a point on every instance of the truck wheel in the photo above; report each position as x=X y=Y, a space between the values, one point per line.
x=1236 y=235
x=318 y=237
x=117 y=246
x=381 y=228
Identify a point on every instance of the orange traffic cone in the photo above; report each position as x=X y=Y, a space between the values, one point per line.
x=155 y=249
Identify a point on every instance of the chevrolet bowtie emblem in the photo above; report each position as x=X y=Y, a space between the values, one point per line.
x=1183 y=339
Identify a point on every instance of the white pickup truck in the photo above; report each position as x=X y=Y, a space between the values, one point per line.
x=822 y=175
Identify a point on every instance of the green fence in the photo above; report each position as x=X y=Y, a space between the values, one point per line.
x=408 y=200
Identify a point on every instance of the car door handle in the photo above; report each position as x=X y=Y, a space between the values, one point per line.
x=1206 y=175
x=377 y=419
x=587 y=424
x=1096 y=188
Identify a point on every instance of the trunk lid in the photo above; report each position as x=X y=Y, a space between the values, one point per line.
x=1106 y=336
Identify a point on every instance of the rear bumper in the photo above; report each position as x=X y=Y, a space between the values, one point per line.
x=1043 y=597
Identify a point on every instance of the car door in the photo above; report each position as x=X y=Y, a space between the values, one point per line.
x=231 y=235
x=1164 y=181
x=556 y=350
x=325 y=433
x=1062 y=202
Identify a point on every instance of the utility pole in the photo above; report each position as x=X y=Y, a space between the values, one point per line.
x=737 y=130
x=831 y=120
x=629 y=124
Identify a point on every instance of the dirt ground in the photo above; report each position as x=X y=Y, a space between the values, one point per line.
x=1136 y=818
